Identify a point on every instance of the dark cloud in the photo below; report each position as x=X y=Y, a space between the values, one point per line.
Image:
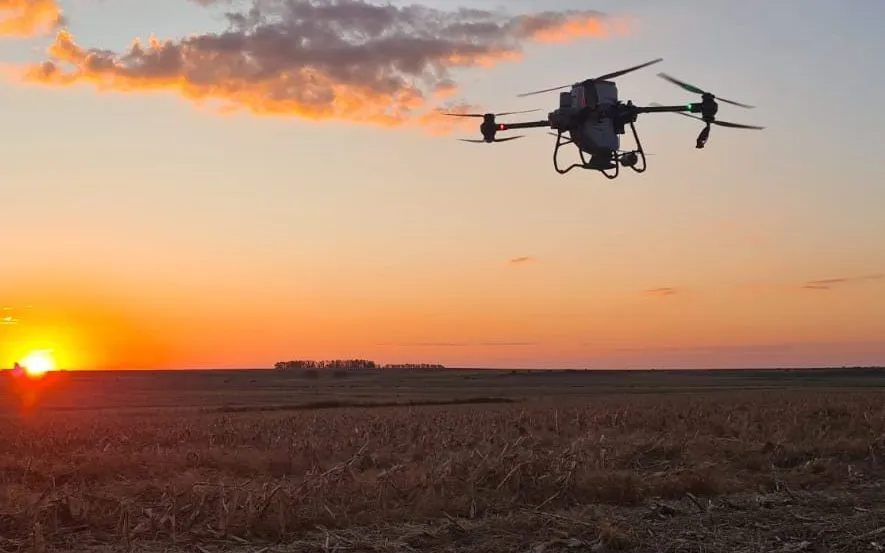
x=829 y=283
x=749 y=348
x=661 y=292
x=332 y=59
x=489 y=344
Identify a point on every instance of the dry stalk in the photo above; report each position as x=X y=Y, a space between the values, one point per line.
x=181 y=479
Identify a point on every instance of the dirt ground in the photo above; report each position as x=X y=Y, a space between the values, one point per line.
x=698 y=470
x=849 y=519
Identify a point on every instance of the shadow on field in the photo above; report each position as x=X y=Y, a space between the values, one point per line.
x=334 y=404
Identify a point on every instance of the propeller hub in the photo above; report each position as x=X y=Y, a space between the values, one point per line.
x=488 y=129
x=709 y=107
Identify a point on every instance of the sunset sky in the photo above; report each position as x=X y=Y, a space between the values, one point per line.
x=231 y=214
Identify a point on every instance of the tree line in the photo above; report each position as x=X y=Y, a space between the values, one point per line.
x=348 y=364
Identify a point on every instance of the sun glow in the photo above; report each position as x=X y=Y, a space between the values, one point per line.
x=38 y=362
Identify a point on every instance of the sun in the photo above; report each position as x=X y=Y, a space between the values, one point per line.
x=38 y=362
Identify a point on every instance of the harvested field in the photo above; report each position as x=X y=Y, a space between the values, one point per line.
x=727 y=470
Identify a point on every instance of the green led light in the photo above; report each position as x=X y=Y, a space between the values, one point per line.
x=689 y=107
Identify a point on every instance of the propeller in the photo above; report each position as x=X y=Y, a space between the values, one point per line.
x=477 y=141
x=492 y=115
x=705 y=132
x=488 y=127
x=605 y=77
x=696 y=90
x=716 y=121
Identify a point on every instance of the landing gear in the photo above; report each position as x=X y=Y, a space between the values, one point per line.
x=606 y=162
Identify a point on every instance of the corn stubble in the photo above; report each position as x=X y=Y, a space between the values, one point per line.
x=601 y=472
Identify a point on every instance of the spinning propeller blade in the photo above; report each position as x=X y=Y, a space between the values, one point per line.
x=495 y=140
x=481 y=115
x=605 y=77
x=737 y=125
x=516 y=112
x=696 y=90
x=523 y=95
x=625 y=71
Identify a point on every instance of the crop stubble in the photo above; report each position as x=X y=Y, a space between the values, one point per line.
x=678 y=473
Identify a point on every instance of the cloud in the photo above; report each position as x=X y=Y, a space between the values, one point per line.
x=433 y=344
x=489 y=344
x=749 y=348
x=521 y=260
x=8 y=316
x=346 y=60
x=829 y=283
x=28 y=18
x=661 y=292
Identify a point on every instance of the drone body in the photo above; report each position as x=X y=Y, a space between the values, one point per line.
x=585 y=113
x=591 y=116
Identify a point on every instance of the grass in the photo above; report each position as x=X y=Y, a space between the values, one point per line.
x=596 y=466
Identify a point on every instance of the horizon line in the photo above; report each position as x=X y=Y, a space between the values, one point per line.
x=481 y=368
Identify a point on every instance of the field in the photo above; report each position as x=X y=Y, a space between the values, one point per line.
x=445 y=460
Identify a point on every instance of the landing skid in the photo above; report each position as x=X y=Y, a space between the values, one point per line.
x=627 y=158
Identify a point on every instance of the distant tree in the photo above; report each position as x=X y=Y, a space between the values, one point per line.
x=335 y=364
x=347 y=365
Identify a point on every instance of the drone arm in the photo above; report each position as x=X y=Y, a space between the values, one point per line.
x=685 y=108
x=525 y=125
x=707 y=116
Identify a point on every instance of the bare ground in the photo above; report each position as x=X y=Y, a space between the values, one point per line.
x=737 y=471
x=848 y=519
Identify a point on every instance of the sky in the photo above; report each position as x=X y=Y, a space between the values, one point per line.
x=177 y=203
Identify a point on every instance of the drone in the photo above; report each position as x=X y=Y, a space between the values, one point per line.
x=593 y=118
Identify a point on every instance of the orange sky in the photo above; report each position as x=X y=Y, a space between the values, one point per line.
x=318 y=217
x=512 y=315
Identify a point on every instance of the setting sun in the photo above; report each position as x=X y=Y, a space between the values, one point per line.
x=38 y=362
